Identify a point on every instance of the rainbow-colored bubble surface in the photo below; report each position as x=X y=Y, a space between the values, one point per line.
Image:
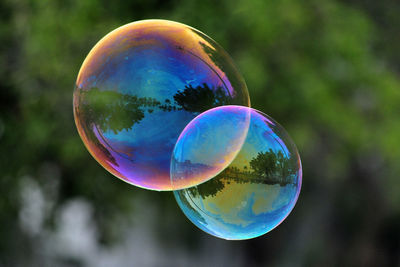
x=256 y=192
x=208 y=144
x=140 y=86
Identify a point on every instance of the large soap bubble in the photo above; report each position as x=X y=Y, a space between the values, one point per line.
x=256 y=192
x=140 y=86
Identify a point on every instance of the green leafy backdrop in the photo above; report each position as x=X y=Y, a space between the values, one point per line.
x=328 y=71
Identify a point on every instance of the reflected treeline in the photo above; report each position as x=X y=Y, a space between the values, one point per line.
x=114 y=111
x=274 y=167
x=111 y=110
x=201 y=98
x=267 y=167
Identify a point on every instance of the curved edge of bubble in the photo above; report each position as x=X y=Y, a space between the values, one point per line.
x=235 y=154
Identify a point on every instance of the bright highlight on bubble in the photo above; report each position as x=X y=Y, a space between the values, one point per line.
x=255 y=193
x=140 y=86
x=208 y=145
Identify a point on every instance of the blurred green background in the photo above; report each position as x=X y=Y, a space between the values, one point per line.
x=327 y=70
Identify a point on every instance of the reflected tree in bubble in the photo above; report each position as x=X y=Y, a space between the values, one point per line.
x=201 y=98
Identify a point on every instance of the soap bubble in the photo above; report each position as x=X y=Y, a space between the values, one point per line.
x=208 y=145
x=140 y=86
x=256 y=192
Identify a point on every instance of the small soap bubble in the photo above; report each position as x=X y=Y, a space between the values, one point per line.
x=138 y=89
x=256 y=192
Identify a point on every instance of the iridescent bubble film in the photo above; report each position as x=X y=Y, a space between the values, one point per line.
x=208 y=145
x=140 y=86
x=255 y=193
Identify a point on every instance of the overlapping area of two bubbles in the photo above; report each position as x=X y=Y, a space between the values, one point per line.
x=162 y=106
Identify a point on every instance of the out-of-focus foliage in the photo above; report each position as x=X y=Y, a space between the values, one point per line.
x=328 y=71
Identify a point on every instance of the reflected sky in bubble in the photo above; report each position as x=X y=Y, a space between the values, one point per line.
x=140 y=86
x=208 y=145
x=256 y=192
